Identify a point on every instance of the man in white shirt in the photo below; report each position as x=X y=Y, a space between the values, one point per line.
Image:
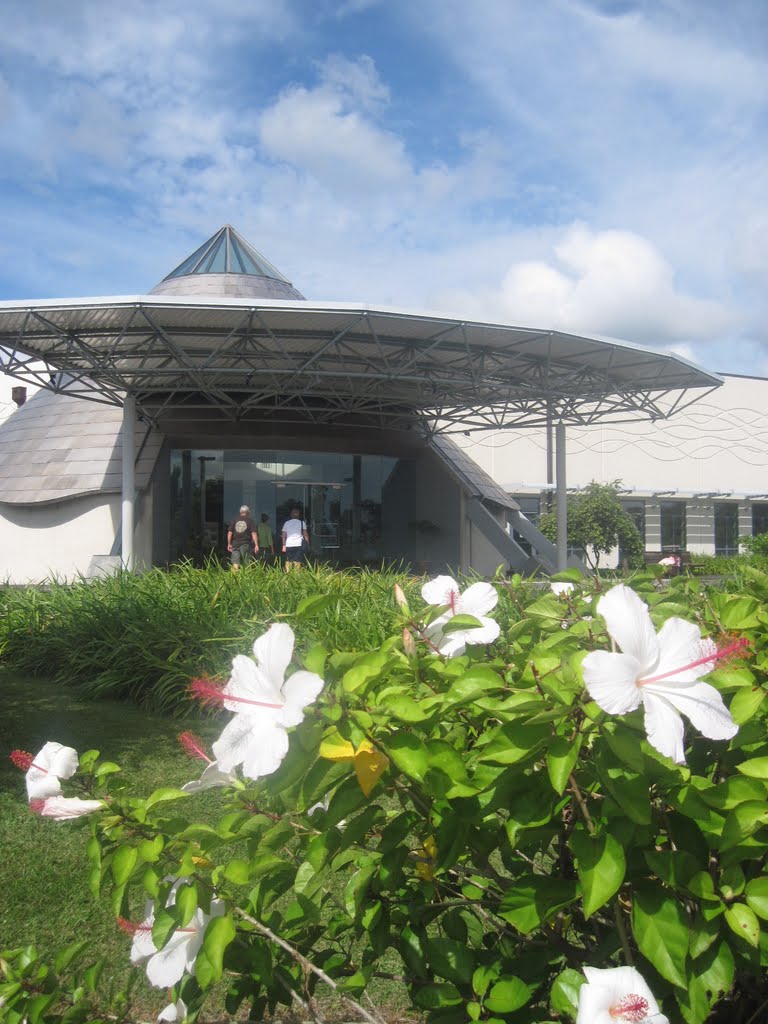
x=294 y=532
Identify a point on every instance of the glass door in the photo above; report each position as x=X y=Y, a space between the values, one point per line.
x=324 y=518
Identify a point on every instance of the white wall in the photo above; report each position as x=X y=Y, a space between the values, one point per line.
x=58 y=540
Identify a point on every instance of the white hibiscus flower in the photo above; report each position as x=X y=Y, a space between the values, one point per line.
x=660 y=671
x=477 y=600
x=617 y=995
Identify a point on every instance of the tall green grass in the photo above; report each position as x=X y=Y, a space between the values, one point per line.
x=143 y=637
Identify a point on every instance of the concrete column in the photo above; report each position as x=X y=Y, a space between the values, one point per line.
x=129 y=479
x=562 y=498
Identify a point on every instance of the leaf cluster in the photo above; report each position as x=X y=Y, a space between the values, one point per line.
x=515 y=835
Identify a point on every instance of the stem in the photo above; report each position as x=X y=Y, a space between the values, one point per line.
x=582 y=804
x=307 y=965
x=622 y=933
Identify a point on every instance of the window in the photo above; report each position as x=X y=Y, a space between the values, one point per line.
x=672 y=525
x=635 y=509
x=726 y=528
x=759 y=517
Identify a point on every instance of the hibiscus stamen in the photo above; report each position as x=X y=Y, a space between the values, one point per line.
x=131 y=927
x=453 y=598
x=208 y=692
x=718 y=654
x=631 y=1008
x=193 y=745
x=25 y=761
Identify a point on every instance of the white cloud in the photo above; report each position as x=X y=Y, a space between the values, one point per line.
x=325 y=132
x=604 y=282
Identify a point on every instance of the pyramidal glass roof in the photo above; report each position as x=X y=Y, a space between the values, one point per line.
x=226 y=252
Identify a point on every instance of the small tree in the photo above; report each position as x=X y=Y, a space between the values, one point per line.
x=597 y=523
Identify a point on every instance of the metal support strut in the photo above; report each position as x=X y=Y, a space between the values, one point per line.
x=562 y=497
x=129 y=479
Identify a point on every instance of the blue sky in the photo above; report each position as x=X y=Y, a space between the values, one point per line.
x=591 y=165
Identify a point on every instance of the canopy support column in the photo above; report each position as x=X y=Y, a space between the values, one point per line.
x=129 y=480
x=562 y=497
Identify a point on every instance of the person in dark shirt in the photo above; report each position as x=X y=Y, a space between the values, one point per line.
x=242 y=540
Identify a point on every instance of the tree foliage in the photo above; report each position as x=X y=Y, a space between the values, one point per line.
x=597 y=524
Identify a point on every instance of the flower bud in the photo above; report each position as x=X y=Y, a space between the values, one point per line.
x=409 y=644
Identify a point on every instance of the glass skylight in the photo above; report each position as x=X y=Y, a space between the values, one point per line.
x=226 y=252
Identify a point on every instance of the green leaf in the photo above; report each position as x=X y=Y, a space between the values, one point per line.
x=756 y=893
x=65 y=956
x=366 y=668
x=409 y=754
x=315 y=658
x=164 y=925
x=482 y=979
x=513 y=742
x=355 y=890
x=405 y=708
x=508 y=995
x=744 y=821
x=564 y=995
x=601 y=866
x=209 y=965
x=163 y=794
x=450 y=959
x=477 y=682
x=743 y=922
x=561 y=757
x=530 y=901
x=238 y=871
x=309 y=606
x=736 y=611
x=432 y=997
x=754 y=768
x=660 y=928
x=123 y=863
x=186 y=902
x=460 y=622
x=746 y=703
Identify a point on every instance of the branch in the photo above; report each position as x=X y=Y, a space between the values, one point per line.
x=307 y=965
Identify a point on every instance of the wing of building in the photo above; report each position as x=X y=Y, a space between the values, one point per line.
x=247 y=393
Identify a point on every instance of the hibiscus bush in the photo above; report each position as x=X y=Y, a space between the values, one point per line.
x=524 y=806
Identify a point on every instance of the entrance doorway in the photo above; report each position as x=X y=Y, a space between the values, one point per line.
x=320 y=505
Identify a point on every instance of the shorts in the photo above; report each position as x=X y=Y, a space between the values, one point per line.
x=242 y=554
x=295 y=555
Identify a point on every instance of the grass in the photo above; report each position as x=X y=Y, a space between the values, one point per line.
x=144 y=637
x=46 y=900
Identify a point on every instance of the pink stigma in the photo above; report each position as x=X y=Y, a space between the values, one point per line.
x=208 y=692
x=632 y=1009
x=730 y=652
x=130 y=927
x=22 y=759
x=193 y=745
x=453 y=600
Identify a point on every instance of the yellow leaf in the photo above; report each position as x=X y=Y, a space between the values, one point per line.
x=425 y=868
x=336 y=748
x=370 y=763
x=202 y=862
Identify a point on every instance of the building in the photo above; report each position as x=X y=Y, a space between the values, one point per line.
x=697 y=481
x=159 y=415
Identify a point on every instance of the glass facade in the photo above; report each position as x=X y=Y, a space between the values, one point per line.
x=354 y=505
x=759 y=518
x=726 y=528
x=673 y=533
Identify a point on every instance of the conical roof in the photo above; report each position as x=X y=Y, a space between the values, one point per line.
x=227 y=265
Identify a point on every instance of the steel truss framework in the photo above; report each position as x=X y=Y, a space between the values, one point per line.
x=336 y=365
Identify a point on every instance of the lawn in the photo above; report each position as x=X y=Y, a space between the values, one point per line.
x=46 y=899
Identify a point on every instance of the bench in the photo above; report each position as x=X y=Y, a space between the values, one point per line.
x=685 y=562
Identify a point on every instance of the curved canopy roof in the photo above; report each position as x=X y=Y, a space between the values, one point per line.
x=335 y=364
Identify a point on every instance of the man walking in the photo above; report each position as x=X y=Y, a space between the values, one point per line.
x=242 y=540
x=266 y=539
